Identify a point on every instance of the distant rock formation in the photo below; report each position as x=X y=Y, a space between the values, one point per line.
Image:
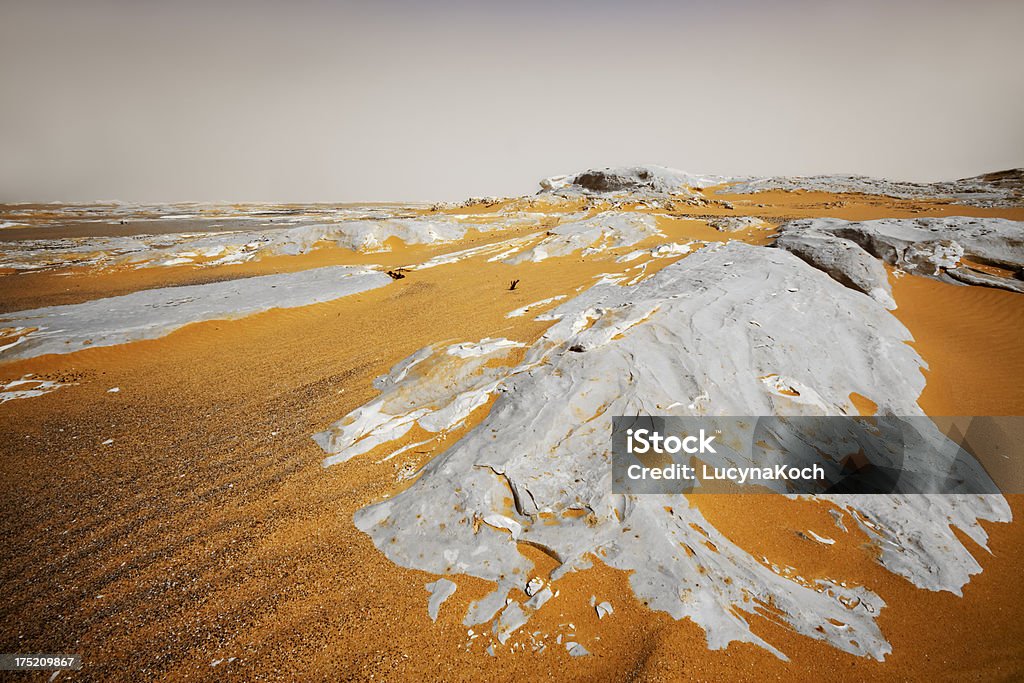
x=643 y=180
x=1001 y=188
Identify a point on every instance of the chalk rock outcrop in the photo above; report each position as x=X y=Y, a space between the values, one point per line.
x=970 y=276
x=1003 y=188
x=605 y=231
x=241 y=246
x=153 y=313
x=843 y=260
x=639 y=180
x=700 y=337
x=929 y=246
x=734 y=223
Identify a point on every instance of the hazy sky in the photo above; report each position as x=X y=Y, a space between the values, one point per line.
x=325 y=100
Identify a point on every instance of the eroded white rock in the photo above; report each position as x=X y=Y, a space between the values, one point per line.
x=435 y=391
x=845 y=261
x=218 y=248
x=701 y=336
x=28 y=386
x=589 y=236
x=153 y=313
x=924 y=245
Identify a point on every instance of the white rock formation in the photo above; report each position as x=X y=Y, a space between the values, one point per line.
x=435 y=391
x=976 y=277
x=636 y=180
x=589 y=236
x=153 y=313
x=734 y=223
x=28 y=386
x=667 y=250
x=995 y=240
x=841 y=259
x=927 y=246
x=698 y=337
x=240 y=246
x=523 y=310
x=993 y=189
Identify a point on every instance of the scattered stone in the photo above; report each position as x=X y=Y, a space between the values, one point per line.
x=539 y=598
x=534 y=585
x=440 y=591
x=509 y=621
x=824 y=540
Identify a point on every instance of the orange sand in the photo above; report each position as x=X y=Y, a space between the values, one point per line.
x=971 y=339
x=208 y=529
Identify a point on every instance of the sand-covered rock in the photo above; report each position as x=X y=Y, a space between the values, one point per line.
x=609 y=230
x=699 y=337
x=734 y=223
x=212 y=249
x=429 y=390
x=153 y=313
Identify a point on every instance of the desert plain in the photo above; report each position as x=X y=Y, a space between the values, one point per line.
x=169 y=515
